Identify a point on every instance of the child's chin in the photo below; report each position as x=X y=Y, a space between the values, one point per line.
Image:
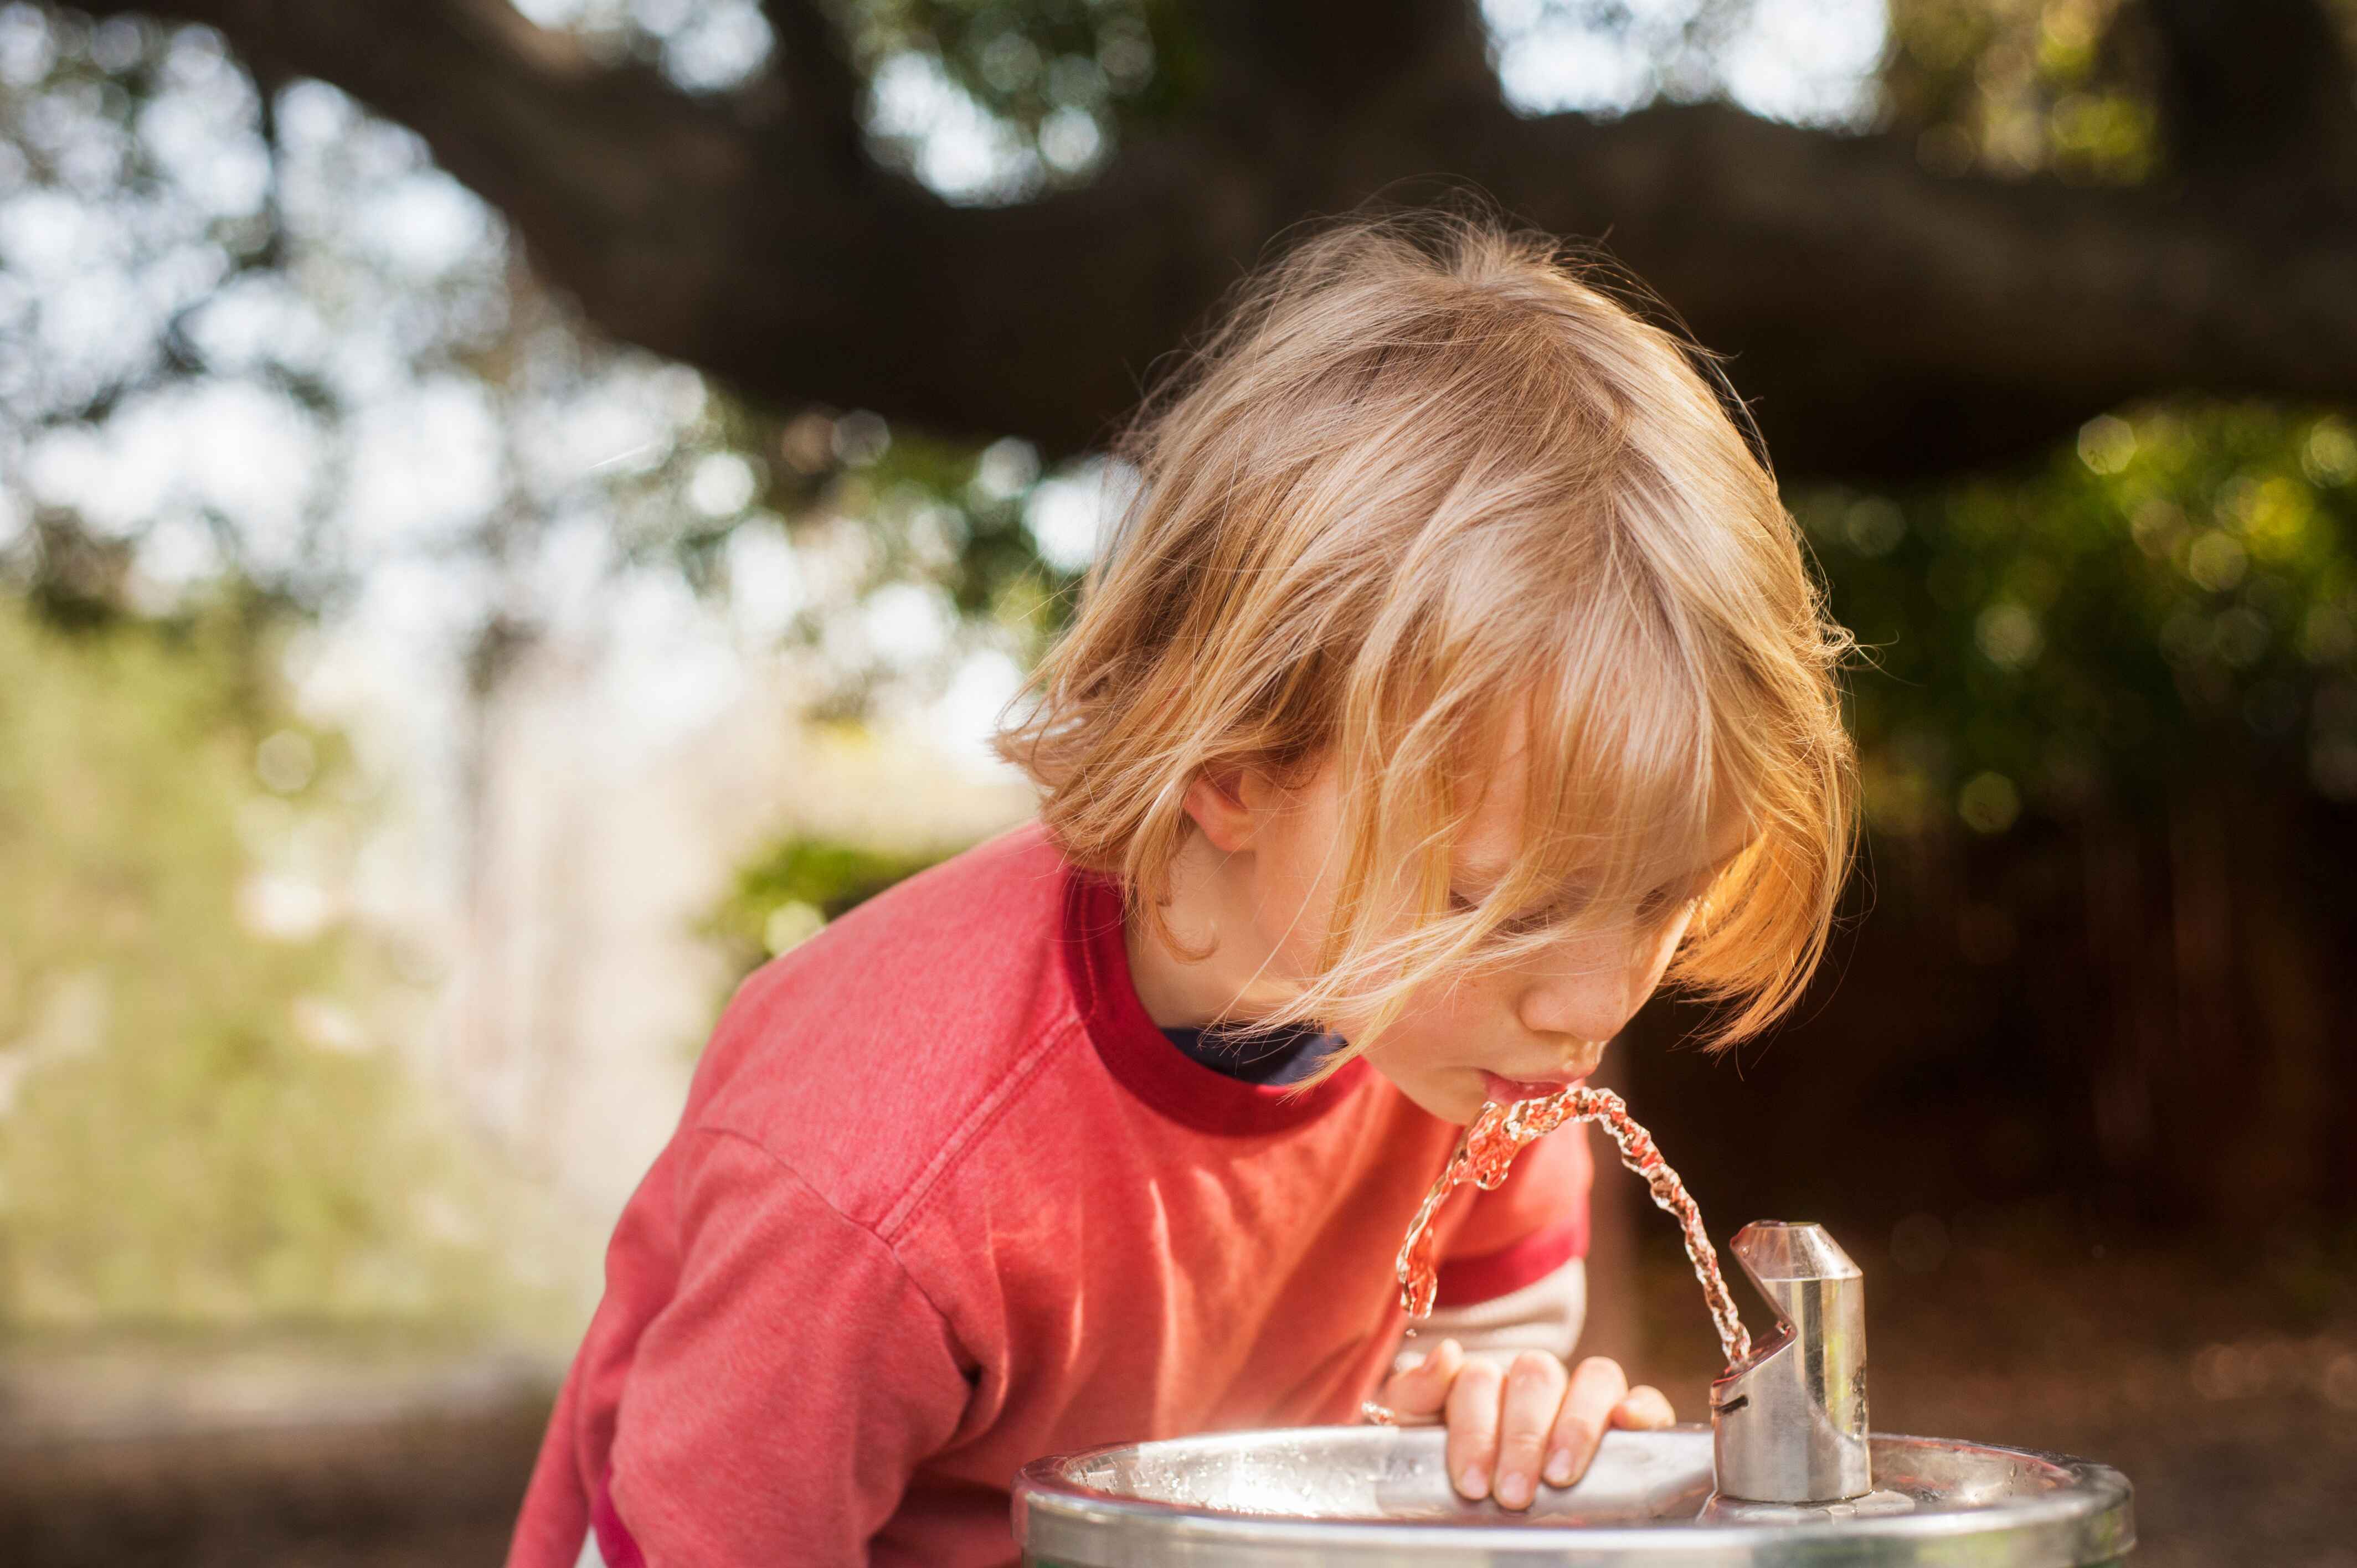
x=1460 y=1106
x=1446 y=1101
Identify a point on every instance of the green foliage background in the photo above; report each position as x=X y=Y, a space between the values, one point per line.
x=198 y=1121
x=2172 y=595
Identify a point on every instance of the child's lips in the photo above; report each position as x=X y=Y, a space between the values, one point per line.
x=1507 y=1091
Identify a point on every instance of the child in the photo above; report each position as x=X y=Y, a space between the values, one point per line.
x=1453 y=676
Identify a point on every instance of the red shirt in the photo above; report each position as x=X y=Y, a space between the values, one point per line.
x=944 y=1200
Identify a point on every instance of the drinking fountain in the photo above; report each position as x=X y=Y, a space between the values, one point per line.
x=1786 y=1474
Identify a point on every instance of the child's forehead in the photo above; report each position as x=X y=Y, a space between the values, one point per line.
x=1495 y=835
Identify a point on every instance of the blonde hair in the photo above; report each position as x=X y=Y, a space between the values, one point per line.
x=1427 y=479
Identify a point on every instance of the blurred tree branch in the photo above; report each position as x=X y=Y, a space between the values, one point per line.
x=1888 y=321
x=1331 y=58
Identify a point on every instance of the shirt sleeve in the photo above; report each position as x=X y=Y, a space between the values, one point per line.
x=1525 y=1230
x=1545 y=1315
x=1514 y=1276
x=779 y=1403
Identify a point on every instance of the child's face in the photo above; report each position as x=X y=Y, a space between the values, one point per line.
x=1498 y=1032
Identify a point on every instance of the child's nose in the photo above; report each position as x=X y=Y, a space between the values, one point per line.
x=1590 y=994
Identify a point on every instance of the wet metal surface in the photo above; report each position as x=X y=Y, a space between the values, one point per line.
x=1378 y=1495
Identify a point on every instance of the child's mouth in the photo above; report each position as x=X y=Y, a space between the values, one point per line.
x=1507 y=1091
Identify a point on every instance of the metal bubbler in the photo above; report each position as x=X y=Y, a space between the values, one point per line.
x=1788 y=1425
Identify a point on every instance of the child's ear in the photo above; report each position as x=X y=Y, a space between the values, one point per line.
x=1217 y=804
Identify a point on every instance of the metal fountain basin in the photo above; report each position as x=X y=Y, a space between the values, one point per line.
x=1365 y=1494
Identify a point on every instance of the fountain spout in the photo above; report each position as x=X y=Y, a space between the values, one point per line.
x=1787 y=1422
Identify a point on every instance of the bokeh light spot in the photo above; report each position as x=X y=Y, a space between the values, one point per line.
x=1989 y=803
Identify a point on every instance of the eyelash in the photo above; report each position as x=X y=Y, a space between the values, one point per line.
x=1652 y=907
x=1512 y=925
x=1517 y=925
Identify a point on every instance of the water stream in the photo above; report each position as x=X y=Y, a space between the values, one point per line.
x=1488 y=1147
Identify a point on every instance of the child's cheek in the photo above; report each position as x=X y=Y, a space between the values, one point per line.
x=1446 y=1026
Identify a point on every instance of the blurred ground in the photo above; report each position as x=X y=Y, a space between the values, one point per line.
x=2226 y=1389
x=329 y=1450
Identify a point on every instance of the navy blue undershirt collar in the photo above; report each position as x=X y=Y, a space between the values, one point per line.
x=1284 y=1055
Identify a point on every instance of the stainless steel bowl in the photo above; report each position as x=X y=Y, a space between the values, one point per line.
x=1365 y=1494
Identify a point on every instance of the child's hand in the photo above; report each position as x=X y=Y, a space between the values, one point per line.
x=1507 y=1428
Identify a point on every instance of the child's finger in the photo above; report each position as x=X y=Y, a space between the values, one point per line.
x=1423 y=1388
x=1473 y=1428
x=1645 y=1409
x=1597 y=1387
x=1535 y=1387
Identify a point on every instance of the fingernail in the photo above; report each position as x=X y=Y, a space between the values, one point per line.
x=1514 y=1489
x=1558 y=1468
x=1474 y=1483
